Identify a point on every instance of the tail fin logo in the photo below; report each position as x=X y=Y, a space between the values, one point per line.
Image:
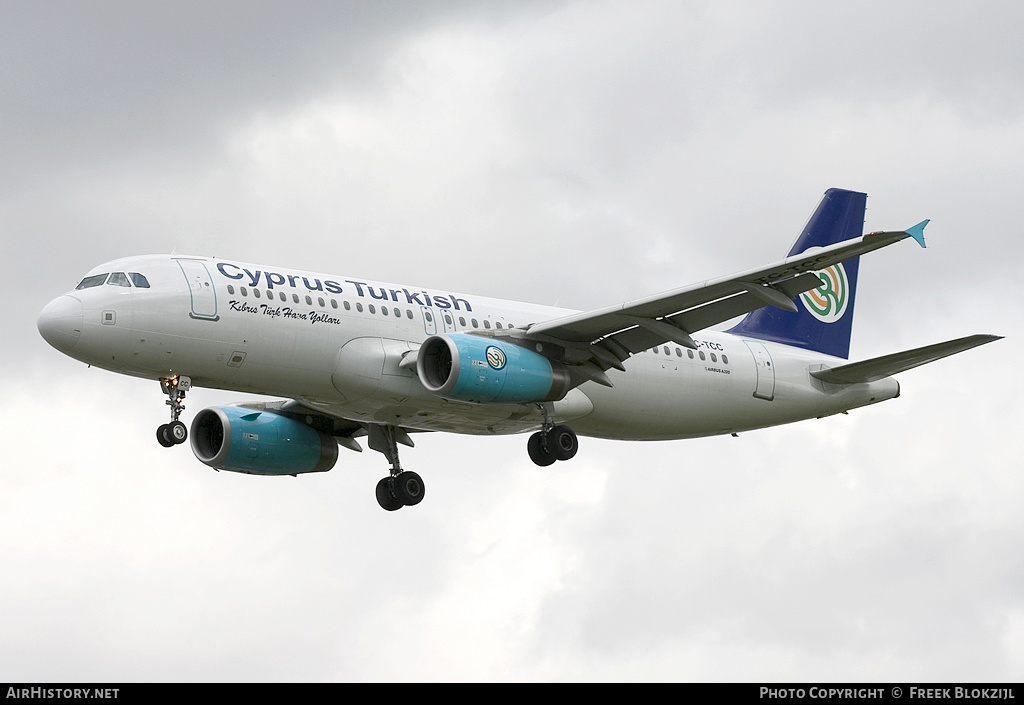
x=828 y=302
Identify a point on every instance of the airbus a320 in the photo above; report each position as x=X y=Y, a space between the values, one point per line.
x=357 y=359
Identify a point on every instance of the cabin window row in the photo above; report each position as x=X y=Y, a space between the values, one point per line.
x=476 y=324
x=690 y=354
x=358 y=306
x=295 y=299
x=463 y=323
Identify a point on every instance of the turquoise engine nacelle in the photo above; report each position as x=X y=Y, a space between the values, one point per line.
x=488 y=371
x=259 y=442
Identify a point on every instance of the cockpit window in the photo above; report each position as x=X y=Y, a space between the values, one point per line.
x=94 y=280
x=139 y=280
x=118 y=279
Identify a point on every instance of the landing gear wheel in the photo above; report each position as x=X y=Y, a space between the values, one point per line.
x=177 y=432
x=540 y=452
x=562 y=442
x=162 y=437
x=385 y=498
x=408 y=488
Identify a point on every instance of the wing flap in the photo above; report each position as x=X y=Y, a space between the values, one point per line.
x=754 y=296
x=887 y=365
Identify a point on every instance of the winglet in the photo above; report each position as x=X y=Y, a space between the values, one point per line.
x=917 y=232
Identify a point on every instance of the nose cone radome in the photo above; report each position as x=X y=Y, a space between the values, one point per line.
x=60 y=322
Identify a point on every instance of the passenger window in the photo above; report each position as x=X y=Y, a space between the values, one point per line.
x=666 y=350
x=487 y=324
x=475 y=325
x=139 y=280
x=118 y=279
x=90 y=282
x=679 y=353
x=321 y=302
x=373 y=309
x=398 y=312
x=334 y=303
x=689 y=354
x=426 y=314
x=295 y=298
x=408 y=314
x=348 y=306
x=701 y=353
x=256 y=293
x=283 y=296
x=231 y=289
x=714 y=358
x=498 y=324
x=245 y=292
x=309 y=301
x=462 y=321
x=725 y=359
x=384 y=310
x=359 y=307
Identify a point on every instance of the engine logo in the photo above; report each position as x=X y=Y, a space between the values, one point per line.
x=828 y=302
x=495 y=357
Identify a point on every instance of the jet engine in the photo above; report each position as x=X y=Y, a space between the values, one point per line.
x=259 y=442
x=488 y=371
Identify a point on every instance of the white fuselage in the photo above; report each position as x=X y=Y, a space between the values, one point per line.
x=336 y=344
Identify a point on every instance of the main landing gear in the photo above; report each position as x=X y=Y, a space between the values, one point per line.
x=552 y=442
x=402 y=488
x=175 y=432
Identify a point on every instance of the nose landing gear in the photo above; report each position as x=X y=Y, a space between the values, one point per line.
x=175 y=432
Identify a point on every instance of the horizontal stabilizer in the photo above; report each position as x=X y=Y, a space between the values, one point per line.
x=888 y=365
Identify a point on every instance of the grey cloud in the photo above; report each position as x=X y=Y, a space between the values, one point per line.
x=584 y=153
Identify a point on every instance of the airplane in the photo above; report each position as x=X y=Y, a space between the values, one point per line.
x=354 y=358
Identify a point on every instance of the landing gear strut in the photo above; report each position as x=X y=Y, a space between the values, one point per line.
x=402 y=488
x=552 y=442
x=175 y=432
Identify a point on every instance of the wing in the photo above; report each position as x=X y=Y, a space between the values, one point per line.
x=343 y=430
x=888 y=365
x=611 y=334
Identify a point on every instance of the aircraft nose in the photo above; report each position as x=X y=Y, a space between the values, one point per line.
x=60 y=322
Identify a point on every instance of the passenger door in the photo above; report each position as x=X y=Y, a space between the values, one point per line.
x=200 y=286
x=765 y=388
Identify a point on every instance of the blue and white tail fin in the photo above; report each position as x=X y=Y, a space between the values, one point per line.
x=824 y=317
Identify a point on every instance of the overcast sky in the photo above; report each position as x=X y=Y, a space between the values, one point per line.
x=578 y=153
